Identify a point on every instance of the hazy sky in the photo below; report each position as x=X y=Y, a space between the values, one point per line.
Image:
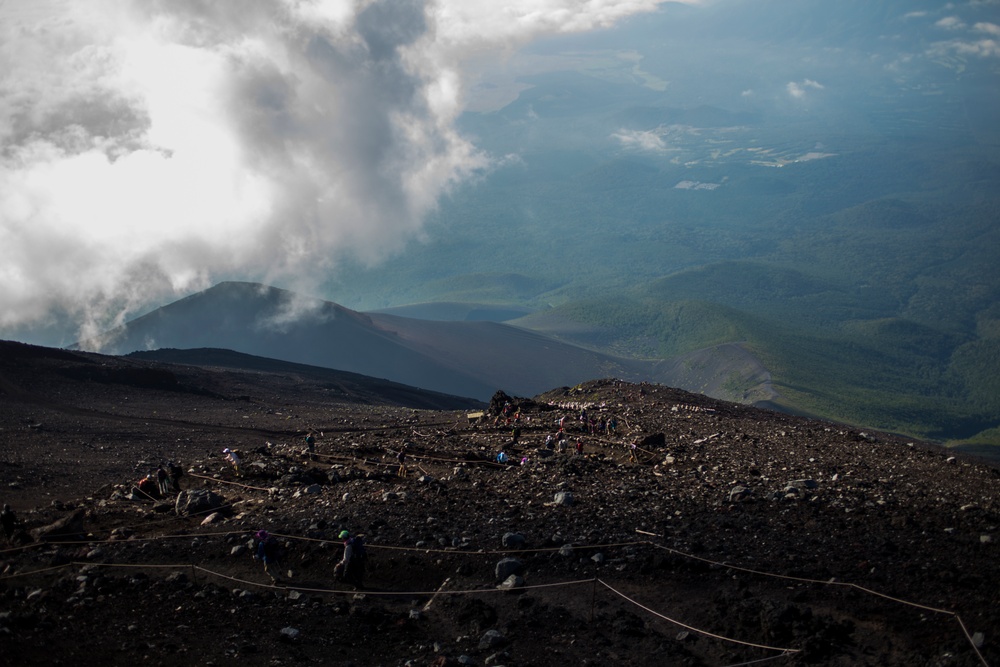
x=151 y=147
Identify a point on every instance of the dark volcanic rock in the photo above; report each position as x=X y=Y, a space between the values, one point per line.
x=198 y=501
x=740 y=522
x=69 y=527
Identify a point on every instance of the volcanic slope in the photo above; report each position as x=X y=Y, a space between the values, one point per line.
x=760 y=532
x=469 y=358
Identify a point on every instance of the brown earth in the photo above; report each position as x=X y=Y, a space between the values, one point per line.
x=742 y=524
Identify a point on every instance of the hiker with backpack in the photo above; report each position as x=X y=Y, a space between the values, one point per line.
x=146 y=487
x=233 y=459
x=351 y=568
x=269 y=551
x=175 y=472
x=162 y=482
x=401 y=460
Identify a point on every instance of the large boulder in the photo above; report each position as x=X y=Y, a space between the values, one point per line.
x=197 y=501
x=507 y=567
x=70 y=527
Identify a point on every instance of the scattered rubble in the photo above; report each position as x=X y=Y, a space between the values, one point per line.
x=470 y=561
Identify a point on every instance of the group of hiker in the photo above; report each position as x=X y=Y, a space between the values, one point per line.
x=350 y=569
x=163 y=482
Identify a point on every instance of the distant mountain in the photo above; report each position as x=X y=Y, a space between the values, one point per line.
x=470 y=358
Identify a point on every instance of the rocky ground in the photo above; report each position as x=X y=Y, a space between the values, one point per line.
x=734 y=534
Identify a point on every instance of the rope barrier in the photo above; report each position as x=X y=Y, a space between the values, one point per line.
x=821 y=582
x=224 y=481
x=694 y=629
x=785 y=651
x=757 y=662
x=431 y=594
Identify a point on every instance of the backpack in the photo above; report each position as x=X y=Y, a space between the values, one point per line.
x=270 y=549
x=358 y=549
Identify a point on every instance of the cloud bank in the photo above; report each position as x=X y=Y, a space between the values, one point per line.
x=152 y=147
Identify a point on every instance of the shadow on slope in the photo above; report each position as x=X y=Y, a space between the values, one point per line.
x=359 y=388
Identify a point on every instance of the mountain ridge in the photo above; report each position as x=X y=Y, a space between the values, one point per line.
x=466 y=358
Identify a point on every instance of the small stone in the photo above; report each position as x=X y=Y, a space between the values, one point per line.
x=564 y=498
x=986 y=539
x=214 y=517
x=289 y=634
x=510 y=583
x=513 y=540
x=738 y=494
x=492 y=639
x=238 y=550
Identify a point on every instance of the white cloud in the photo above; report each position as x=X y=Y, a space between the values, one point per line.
x=640 y=140
x=988 y=28
x=982 y=48
x=151 y=147
x=798 y=89
x=951 y=23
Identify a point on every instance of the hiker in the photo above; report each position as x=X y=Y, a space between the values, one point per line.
x=515 y=434
x=562 y=445
x=502 y=457
x=162 y=482
x=401 y=459
x=631 y=454
x=310 y=443
x=175 y=472
x=579 y=447
x=233 y=458
x=147 y=487
x=268 y=551
x=9 y=522
x=549 y=441
x=351 y=568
